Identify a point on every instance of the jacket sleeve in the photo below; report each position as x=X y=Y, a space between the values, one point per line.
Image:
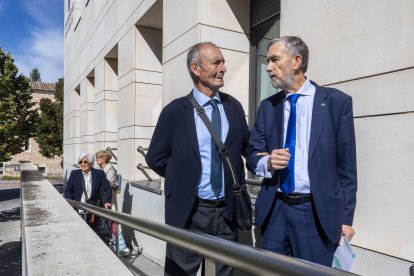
x=346 y=160
x=112 y=177
x=69 y=191
x=106 y=187
x=160 y=148
x=257 y=141
x=245 y=131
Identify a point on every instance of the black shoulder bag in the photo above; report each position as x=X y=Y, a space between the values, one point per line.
x=242 y=213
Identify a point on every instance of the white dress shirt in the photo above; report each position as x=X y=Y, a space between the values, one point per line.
x=304 y=107
x=204 y=143
x=87 y=178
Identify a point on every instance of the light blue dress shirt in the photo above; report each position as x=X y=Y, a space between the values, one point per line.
x=204 y=143
x=304 y=108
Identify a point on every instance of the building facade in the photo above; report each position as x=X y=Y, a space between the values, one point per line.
x=125 y=60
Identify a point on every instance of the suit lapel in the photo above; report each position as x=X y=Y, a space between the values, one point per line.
x=190 y=126
x=279 y=120
x=274 y=124
x=82 y=181
x=319 y=112
x=231 y=118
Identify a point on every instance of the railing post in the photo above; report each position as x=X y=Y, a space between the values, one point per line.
x=210 y=267
x=117 y=238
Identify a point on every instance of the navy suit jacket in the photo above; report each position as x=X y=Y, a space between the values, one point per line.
x=174 y=154
x=74 y=188
x=331 y=160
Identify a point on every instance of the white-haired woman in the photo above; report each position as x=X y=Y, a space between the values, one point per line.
x=85 y=184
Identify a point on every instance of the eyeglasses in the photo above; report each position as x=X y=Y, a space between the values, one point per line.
x=83 y=162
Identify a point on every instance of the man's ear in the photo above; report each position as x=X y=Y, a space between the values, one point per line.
x=195 y=69
x=297 y=62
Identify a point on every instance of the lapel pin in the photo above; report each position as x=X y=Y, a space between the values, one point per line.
x=323 y=104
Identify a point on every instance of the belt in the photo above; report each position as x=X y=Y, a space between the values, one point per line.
x=294 y=198
x=218 y=203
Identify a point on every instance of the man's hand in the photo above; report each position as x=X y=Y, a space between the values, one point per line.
x=278 y=159
x=108 y=205
x=348 y=232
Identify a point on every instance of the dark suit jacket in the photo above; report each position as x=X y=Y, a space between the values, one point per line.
x=174 y=154
x=331 y=162
x=74 y=188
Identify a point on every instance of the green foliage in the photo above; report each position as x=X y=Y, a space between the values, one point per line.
x=35 y=75
x=49 y=133
x=17 y=115
x=6 y=177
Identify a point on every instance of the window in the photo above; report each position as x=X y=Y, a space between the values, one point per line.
x=265 y=25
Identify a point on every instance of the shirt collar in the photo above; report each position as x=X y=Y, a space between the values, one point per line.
x=202 y=99
x=305 y=89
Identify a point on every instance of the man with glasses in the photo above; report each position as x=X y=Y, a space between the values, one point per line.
x=85 y=185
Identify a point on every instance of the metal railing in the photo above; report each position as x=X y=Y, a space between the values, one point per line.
x=253 y=182
x=141 y=167
x=113 y=155
x=246 y=258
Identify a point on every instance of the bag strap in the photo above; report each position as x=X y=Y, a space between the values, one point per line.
x=223 y=151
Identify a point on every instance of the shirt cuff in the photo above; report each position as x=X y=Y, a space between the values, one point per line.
x=261 y=168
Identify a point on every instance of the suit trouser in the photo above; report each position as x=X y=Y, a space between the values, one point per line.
x=204 y=219
x=294 y=230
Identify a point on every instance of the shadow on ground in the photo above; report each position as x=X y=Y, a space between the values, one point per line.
x=10 y=258
x=10 y=215
x=9 y=194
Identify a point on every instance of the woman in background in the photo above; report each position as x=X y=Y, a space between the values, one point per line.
x=102 y=159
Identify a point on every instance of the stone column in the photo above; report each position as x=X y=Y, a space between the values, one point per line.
x=139 y=102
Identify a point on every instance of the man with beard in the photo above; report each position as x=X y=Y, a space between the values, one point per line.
x=303 y=144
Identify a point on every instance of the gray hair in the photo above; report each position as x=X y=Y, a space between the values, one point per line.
x=295 y=46
x=193 y=56
x=90 y=156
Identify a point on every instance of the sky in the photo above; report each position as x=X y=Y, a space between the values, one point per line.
x=32 y=32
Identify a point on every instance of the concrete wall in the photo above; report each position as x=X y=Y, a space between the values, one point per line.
x=364 y=48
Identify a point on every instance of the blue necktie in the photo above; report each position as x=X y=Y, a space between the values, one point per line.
x=287 y=175
x=216 y=162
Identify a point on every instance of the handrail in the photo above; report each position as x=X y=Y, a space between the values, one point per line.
x=246 y=258
x=142 y=150
x=253 y=182
x=113 y=155
x=141 y=167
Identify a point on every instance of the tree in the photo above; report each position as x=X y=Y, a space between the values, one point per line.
x=49 y=133
x=35 y=75
x=17 y=114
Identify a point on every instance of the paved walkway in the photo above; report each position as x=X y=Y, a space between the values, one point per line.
x=10 y=233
